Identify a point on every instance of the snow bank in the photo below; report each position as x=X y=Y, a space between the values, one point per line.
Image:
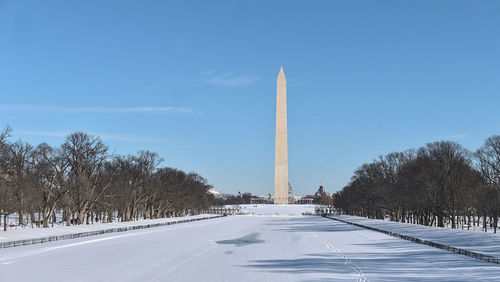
x=295 y=248
x=28 y=236
x=282 y=210
x=483 y=246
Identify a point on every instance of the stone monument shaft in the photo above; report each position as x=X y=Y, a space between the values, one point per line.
x=281 y=149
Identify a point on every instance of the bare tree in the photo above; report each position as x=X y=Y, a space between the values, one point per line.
x=81 y=178
x=434 y=185
x=135 y=175
x=7 y=204
x=51 y=169
x=19 y=170
x=488 y=157
x=87 y=156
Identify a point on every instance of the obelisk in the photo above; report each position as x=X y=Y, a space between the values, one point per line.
x=281 y=149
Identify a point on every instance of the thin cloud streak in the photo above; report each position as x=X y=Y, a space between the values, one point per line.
x=456 y=136
x=228 y=79
x=108 y=110
x=131 y=138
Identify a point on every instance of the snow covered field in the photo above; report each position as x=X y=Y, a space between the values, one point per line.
x=241 y=248
x=481 y=242
x=284 y=210
x=57 y=230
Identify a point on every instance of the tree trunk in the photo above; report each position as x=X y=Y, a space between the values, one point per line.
x=68 y=212
x=495 y=224
x=21 y=218
x=39 y=218
x=127 y=214
x=45 y=221
x=440 y=221
x=65 y=215
x=81 y=217
x=32 y=218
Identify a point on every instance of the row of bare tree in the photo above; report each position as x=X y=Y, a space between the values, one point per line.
x=434 y=185
x=84 y=181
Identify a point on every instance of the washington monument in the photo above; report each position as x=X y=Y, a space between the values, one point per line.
x=281 y=149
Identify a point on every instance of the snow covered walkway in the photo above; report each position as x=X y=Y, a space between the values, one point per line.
x=487 y=244
x=242 y=248
x=29 y=236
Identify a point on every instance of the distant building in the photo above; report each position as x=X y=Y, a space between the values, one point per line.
x=320 y=192
x=301 y=200
x=261 y=200
x=216 y=194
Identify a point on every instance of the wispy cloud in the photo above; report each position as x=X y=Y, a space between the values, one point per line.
x=107 y=110
x=456 y=136
x=132 y=138
x=42 y=133
x=228 y=79
x=207 y=72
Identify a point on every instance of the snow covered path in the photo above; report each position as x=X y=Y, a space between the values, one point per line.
x=59 y=230
x=241 y=248
x=481 y=242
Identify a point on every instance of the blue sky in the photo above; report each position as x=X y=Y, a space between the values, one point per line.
x=196 y=80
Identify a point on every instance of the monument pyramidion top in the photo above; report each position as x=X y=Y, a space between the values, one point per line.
x=282 y=73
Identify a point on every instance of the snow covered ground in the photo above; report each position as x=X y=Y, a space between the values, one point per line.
x=242 y=248
x=38 y=232
x=284 y=210
x=481 y=242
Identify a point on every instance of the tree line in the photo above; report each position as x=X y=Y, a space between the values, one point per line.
x=85 y=182
x=437 y=184
x=228 y=199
